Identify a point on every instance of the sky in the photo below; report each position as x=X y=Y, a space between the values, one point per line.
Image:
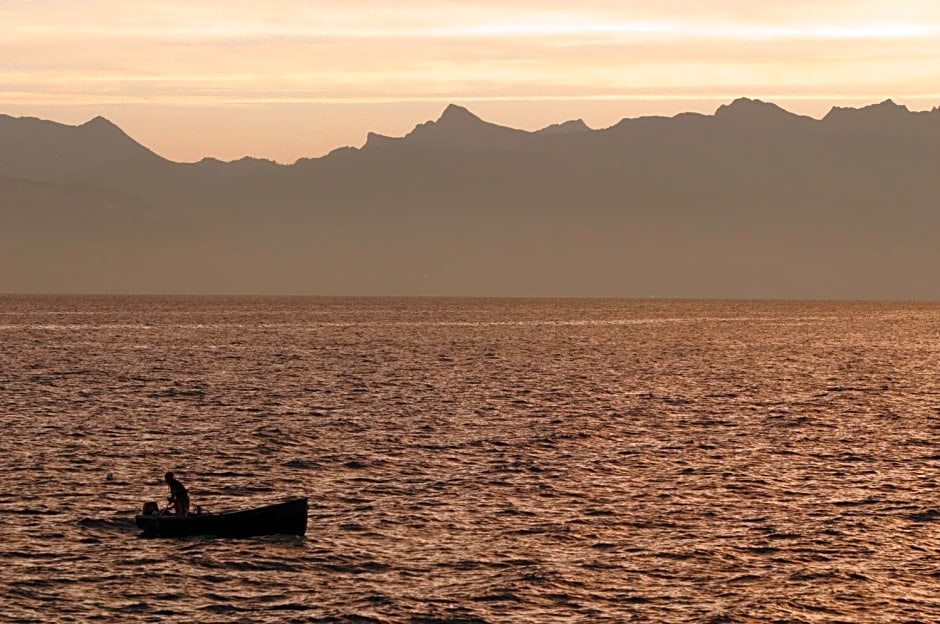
x=284 y=79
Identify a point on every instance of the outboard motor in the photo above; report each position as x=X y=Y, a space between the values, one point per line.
x=151 y=508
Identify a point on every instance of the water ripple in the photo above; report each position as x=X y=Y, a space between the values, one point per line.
x=474 y=460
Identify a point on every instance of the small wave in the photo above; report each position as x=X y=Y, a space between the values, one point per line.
x=222 y=608
x=498 y=596
x=31 y=512
x=542 y=529
x=356 y=618
x=603 y=545
x=288 y=606
x=811 y=575
x=927 y=515
x=351 y=526
x=746 y=578
x=262 y=566
x=29 y=555
x=114 y=524
x=358 y=568
x=301 y=463
x=430 y=619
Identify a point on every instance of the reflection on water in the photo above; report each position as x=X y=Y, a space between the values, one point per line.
x=474 y=460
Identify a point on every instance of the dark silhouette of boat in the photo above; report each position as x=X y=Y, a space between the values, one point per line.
x=288 y=517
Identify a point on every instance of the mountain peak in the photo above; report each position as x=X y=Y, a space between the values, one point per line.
x=568 y=127
x=105 y=138
x=374 y=138
x=458 y=126
x=457 y=114
x=455 y=120
x=888 y=109
x=752 y=111
x=745 y=104
x=99 y=121
x=889 y=104
x=100 y=126
x=103 y=129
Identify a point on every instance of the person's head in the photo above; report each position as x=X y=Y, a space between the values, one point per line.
x=169 y=477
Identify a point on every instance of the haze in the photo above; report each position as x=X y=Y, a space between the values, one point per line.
x=751 y=201
x=286 y=79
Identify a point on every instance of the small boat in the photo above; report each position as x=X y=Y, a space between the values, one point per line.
x=288 y=517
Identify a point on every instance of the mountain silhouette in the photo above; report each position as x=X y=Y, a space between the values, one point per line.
x=42 y=149
x=568 y=127
x=759 y=115
x=752 y=201
x=457 y=127
x=886 y=111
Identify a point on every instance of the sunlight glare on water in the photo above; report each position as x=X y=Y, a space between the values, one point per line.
x=473 y=460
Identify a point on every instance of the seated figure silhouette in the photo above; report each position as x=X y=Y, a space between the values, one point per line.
x=179 y=497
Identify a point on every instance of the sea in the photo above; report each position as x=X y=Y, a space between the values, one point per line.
x=473 y=460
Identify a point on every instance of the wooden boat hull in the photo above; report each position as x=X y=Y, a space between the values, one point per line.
x=288 y=517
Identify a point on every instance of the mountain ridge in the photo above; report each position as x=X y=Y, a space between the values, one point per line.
x=456 y=122
x=751 y=201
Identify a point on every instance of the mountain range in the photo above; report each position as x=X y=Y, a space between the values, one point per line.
x=750 y=202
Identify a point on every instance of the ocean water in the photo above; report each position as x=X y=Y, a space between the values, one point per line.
x=472 y=460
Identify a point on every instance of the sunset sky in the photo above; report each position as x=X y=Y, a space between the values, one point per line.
x=283 y=79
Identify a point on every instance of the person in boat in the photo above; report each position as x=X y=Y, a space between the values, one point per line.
x=179 y=497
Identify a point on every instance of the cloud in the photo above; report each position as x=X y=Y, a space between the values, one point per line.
x=360 y=19
x=241 y=51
